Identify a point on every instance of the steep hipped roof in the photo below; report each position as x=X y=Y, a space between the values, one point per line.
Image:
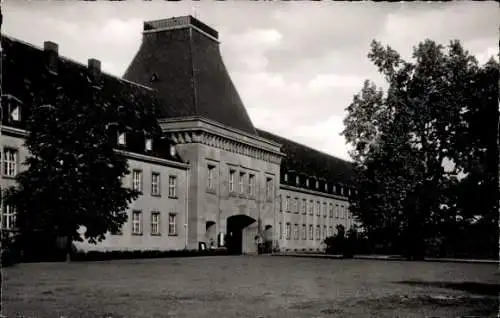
x=303 y=160
x=180 y=57
x=26 y=67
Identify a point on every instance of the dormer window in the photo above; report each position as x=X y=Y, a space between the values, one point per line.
x=317 y=184
x=286 y=177
x=307 y=183
x=172 y=151
x=326 y=187
x=334 y=189
x=297 y=180
x=15 y=114
x=149 y=144
x=121 y=139
x=349 y=192
x=342 y=191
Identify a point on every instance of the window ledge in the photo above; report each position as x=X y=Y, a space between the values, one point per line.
x=173 y=234
x=156 y=195
x=155 y=234
x=173 y=197
x=211 y=191
x=137 y=234
x=8 y=177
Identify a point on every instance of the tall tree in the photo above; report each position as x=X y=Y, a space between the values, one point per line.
x=73 y=179
x=411 y=143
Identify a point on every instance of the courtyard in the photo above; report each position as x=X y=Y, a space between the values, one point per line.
x=249 y=286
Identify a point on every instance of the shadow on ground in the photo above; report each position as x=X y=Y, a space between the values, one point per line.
x=484 y=289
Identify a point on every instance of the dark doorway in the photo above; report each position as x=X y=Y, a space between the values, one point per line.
x=234 y=232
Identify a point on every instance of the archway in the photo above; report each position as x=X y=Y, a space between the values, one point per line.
x=238 y=238
x=211 y=234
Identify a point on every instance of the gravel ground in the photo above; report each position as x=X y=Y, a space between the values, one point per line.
x=246 y=286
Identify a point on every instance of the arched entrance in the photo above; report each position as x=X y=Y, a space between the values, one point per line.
x=239 y=237
x=211 y=234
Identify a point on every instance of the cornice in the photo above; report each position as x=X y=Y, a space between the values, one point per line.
x=312 y=192
x=210 y=133
x=150 y=159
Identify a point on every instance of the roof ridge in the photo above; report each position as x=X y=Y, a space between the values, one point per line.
x=62 y=57
x=302 y=145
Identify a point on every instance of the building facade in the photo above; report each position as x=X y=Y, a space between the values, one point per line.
x=212 y=177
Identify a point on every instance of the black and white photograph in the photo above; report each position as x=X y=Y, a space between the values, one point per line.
x=249 y=159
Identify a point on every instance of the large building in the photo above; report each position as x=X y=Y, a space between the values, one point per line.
x=212 y=173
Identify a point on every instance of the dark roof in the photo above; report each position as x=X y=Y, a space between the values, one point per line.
x=25 y=69
x=180 y=57
x=307 y=162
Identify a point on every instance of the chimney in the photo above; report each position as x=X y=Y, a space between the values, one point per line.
x=51 y=50
x=94 y=69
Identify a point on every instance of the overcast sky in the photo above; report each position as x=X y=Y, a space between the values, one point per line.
x=296 y=65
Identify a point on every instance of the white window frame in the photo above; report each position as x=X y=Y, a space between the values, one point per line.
x=210 y=177
x=311 y=207
x=8 y=217
x=172 y=187
x=303 y=207
x=311 y=232
x=287 y=204
x=241 y=182
x=288 y=230
x=304 y=232
x=155 y=223
x=137 y=180
x=318 y=232
x=330 y=212
x=137 y=222
x=172 y=224
x=10 y=157
x=155 y=183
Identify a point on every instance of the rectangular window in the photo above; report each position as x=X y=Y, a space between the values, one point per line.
x=232 y=174
x=304 y=232
x=10 y=162
x=241 y=182
x=342 y=211
x=172 y=187
x=155 y=183
x=310 y=207
x=172 y=224
x=280 y=198
x=288 y=231
x=318 y=232
x=311 y=234
x=330 y=230
x=136 y=222
x=281 y=230
x=211 y=177
x=304 y=206
x=155 y=223
x=137 y=180
x=287 y=204
x=8 y=217
x=337 y=211
x=318 y=208
x=251 y=184
x=269 y=188
x=331 y=210
x=296 y=232
x=296 y=205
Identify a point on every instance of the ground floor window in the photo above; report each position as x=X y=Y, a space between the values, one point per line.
x=296 y=232
x=318 y=232
x=8 y=217
x=281 y=230
x=172 y=224
x=288 y=231
x=136 y=222
x=155 y=223
x=311 y=234
x=304 y=232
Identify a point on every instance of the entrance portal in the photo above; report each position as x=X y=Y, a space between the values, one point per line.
x=237 y=240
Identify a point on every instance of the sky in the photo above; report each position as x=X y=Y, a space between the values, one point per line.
x=296 y=65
